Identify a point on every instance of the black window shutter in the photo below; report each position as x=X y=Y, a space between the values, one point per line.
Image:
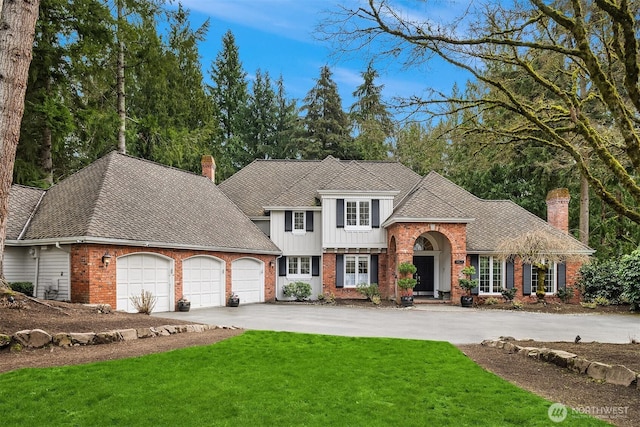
x=375 y=213
x=339 y=271
x=282 y=266
x=340 y=213
x=288 y=221
x=475 y=262
x=526 y=279
x=309 y=221
x=373 y=269
x=562 y=276
x=510 y=275
x=315 y=266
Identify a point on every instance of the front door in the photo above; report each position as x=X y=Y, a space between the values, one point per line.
x=424 y=275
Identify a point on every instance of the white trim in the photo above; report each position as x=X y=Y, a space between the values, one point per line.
x=344 y=272
x=298 y=231
x=137 y=243
x=300 y=275
x=427 y=220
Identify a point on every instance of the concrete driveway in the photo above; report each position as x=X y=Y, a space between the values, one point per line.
x=429 y=322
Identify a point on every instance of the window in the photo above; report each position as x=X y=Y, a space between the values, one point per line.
x=298 y=222
x=490 y=275
x=358 y=214
x=356 y=270
x=299 y=266
x=549 y=281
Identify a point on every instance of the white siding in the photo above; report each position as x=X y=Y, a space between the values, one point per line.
x=18 y=265
x=53 y=274
x=263 y=225
x=334 y=237
x=315 y=282
x=307 y=243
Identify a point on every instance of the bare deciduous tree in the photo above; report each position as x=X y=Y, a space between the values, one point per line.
x=586 y=98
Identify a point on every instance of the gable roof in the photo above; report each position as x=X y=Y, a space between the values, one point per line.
x=119 y=198
x=488 y=221
x=295 y=183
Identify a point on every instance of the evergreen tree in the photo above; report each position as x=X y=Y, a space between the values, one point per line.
x=288 y=125
x=260 y=133
x=372 y=121
x=230 y=96
x=327 y=127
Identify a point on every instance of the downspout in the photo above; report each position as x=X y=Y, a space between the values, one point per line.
x=35 y=281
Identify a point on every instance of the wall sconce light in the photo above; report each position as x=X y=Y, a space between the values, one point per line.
x=106 y=259
x=271 y=264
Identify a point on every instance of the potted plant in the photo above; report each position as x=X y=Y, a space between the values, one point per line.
x=406 y=282
x=184 y=304
x=467 y=283
x=234 y=300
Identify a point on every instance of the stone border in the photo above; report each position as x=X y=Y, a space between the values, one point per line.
x=613 y=374
x=37 y=338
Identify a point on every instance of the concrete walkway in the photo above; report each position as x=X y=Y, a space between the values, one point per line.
x=429 y=322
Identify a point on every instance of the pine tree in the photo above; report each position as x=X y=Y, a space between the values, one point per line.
x=327 y=127
x=230 y=96
x=372 y=121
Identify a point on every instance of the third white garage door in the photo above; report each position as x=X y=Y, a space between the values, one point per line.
x=203 y=281
x=247 y=280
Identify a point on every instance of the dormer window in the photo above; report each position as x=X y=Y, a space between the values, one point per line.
x=298 y=222
x=358 y=214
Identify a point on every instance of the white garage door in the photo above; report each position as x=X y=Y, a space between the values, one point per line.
x=247 y=280
x=138 y=272
x=202 y=281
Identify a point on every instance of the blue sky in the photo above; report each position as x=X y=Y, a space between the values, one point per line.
x=278 y=36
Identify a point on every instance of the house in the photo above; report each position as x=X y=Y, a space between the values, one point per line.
x=342 y=223
x=122 y=225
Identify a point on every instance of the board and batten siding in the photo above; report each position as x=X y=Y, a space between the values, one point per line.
x=334 y=237
x=53 y=274
x=301 y=244
x=18 y=264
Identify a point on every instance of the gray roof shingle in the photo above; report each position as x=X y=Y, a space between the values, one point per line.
x=123 y=198
x=22 y=202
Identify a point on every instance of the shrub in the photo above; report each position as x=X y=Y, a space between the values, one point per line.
x=22 y=287
x=467 y=283
x=629 y=274
x=602 y=301
x=369 y=291
x=565 y=294
x=509 y=294
x=491 y=301
x=517 y=305
x=601 y=279
x=591 y=305
x=144 y=303
x=376 y=300
x=299 y=290
x=406 y=268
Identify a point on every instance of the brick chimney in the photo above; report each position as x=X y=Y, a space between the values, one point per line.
x=209 y=167
x=558 y=209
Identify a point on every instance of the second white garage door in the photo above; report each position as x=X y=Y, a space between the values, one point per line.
x=247 y=280
x=203 y=281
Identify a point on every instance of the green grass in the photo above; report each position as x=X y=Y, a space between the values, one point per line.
x=274 y=378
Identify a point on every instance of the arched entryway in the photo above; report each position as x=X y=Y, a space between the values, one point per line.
x=432 y=257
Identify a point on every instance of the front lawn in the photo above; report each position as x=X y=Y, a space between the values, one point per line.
x=276 y=378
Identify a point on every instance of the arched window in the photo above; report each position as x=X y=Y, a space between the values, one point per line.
x=422 y=244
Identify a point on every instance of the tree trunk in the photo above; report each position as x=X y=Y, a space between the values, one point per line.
x=17 y=30
x=45 y=155
x=584 y=210
x=122 y=116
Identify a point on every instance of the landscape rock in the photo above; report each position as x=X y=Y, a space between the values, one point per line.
x=598 y=371
x=579 y=365
x=5 y=340
x=35 y=338
x=62 y=340
x=82 y=338
x=560 y=358
x=145 y=333
x=620 y=375
x=128 y=334
x=107 y=337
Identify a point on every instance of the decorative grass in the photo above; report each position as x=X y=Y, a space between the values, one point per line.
x=275 y=378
